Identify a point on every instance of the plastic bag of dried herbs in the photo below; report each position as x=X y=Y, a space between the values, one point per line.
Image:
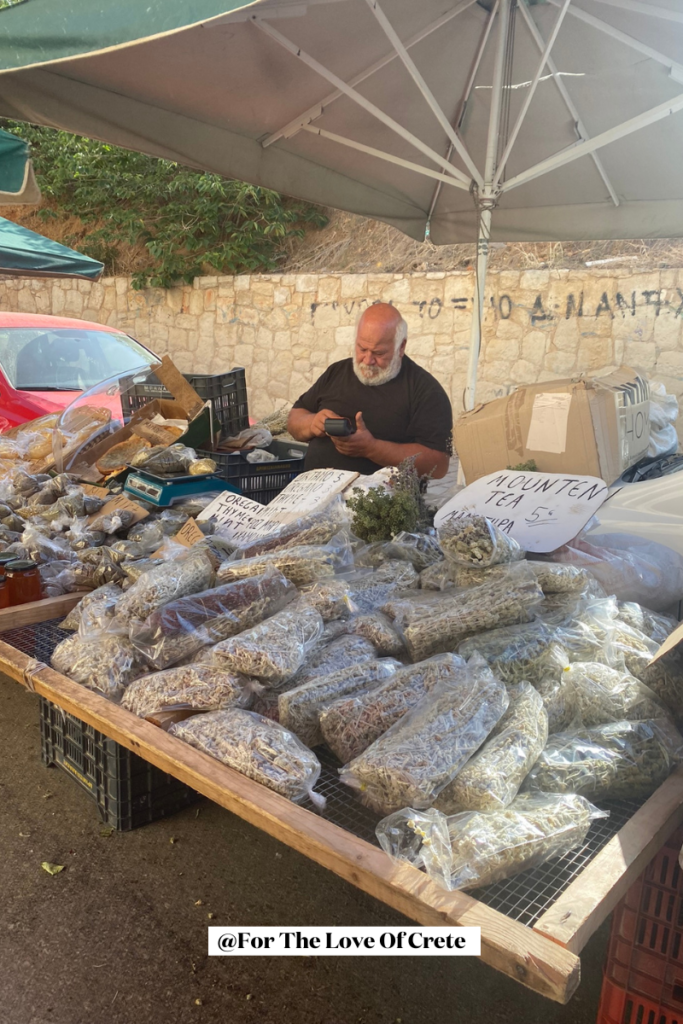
x=333 y=655
x=258 y=748
x=559 y=701
x=477 y=848
x=491 y=779
x=559 y=578
x=105 y=662
x=330 y=596
x=527 y=651
x=302 y=564
x=275 y=649
x=474 y=541
x=182 y=627
x=95 y=607
x=299 y=709
x=655 y=625
x=431 y=628
x=420 y=549
x=167 y=582
x=316 y=528
x=417 y=757
x=603 y=694
x=199 y=687
x=626 y=760
x=376 y=628
x=448 y=575
x=351 y=724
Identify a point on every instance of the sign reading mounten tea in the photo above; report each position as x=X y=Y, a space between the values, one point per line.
x=541 y=511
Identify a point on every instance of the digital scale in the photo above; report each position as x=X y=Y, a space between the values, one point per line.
x=169 y=490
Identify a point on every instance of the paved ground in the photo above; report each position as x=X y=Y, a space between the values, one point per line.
x=118 y=937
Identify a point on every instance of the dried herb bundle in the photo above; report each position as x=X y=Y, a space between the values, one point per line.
x=275 y=649
x=475 y=541
x=626 y=760
x=560 y=578
x=491 y=779
x=477 y=848
x=416 y=758
x=302 y=565
x=201 y=687
x=299 y=709
x=335 y=655
x=106 y=662
x=167 y=582
x=258 y=748
x=350 y=725
x=603 y=694
x=516 y=653
x=380 y=514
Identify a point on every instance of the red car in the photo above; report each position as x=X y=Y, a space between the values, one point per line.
x=47 y=361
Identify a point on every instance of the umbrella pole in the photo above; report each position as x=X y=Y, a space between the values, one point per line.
x=478 y=309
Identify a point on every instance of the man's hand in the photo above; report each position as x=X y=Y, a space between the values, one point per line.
x=359 y=445
x=317 y=424
x=304 y=425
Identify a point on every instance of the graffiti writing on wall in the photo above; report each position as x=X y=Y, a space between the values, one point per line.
x=615 y=305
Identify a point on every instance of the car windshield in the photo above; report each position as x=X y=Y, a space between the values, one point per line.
x=66 y=359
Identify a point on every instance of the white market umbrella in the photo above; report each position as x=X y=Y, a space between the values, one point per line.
x=496 y=120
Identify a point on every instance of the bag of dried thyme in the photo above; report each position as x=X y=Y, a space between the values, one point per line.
x=474 y=541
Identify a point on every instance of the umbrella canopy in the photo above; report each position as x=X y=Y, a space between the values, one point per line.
x=457 y=119
x=18 y=186
x=25 y=253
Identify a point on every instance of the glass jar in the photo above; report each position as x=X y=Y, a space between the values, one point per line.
x=4 y=591
x=23 y=582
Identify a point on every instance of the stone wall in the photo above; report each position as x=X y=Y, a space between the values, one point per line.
x=285 y=329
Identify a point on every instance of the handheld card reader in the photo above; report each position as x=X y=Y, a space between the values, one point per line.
x=165 y=491
x=341 y=427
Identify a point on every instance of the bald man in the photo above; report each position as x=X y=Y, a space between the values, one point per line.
x=397 y=407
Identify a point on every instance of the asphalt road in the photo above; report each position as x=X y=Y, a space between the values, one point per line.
x=120 y=936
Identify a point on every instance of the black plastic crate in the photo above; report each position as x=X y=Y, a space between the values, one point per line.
x=261 y=481
x=129 y=792
x=227 y=393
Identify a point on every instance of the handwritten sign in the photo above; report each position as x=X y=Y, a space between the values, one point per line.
x=541 y=511
x=307 y=493
x=96 y=492
x=233 y=511
x=189 y=534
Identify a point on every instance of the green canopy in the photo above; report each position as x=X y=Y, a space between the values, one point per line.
x=18 y=185
x=25 y=253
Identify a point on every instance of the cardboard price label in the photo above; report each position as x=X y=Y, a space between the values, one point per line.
x=541 y=511
x=95 y=492
x=189 y=534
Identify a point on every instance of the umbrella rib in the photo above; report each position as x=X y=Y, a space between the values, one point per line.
x=293 y=126
x=569 y=103
x=530 y=95
x=427 y=93
x=580 y=149
x=622 y=37
x=339 y=83
x=639 y=8
x=371 y=151
x=469 y=85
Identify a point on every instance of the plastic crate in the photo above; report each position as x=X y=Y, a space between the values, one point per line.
x=227 y=393
x=129 y=792
x=643 y=981
x=261 y=481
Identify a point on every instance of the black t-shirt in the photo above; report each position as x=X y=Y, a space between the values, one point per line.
x=412 y=408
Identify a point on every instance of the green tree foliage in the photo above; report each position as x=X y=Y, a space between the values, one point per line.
x=189 y=222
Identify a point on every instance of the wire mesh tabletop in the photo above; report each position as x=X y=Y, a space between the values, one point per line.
x=524 y=897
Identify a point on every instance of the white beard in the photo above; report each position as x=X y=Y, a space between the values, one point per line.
x=374 y=375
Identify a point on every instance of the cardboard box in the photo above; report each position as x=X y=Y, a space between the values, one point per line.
x=186 y=405
x=598 y=426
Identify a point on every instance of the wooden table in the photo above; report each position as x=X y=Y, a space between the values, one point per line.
x=544 y=957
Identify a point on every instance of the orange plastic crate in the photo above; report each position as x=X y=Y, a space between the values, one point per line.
x=643 y=981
